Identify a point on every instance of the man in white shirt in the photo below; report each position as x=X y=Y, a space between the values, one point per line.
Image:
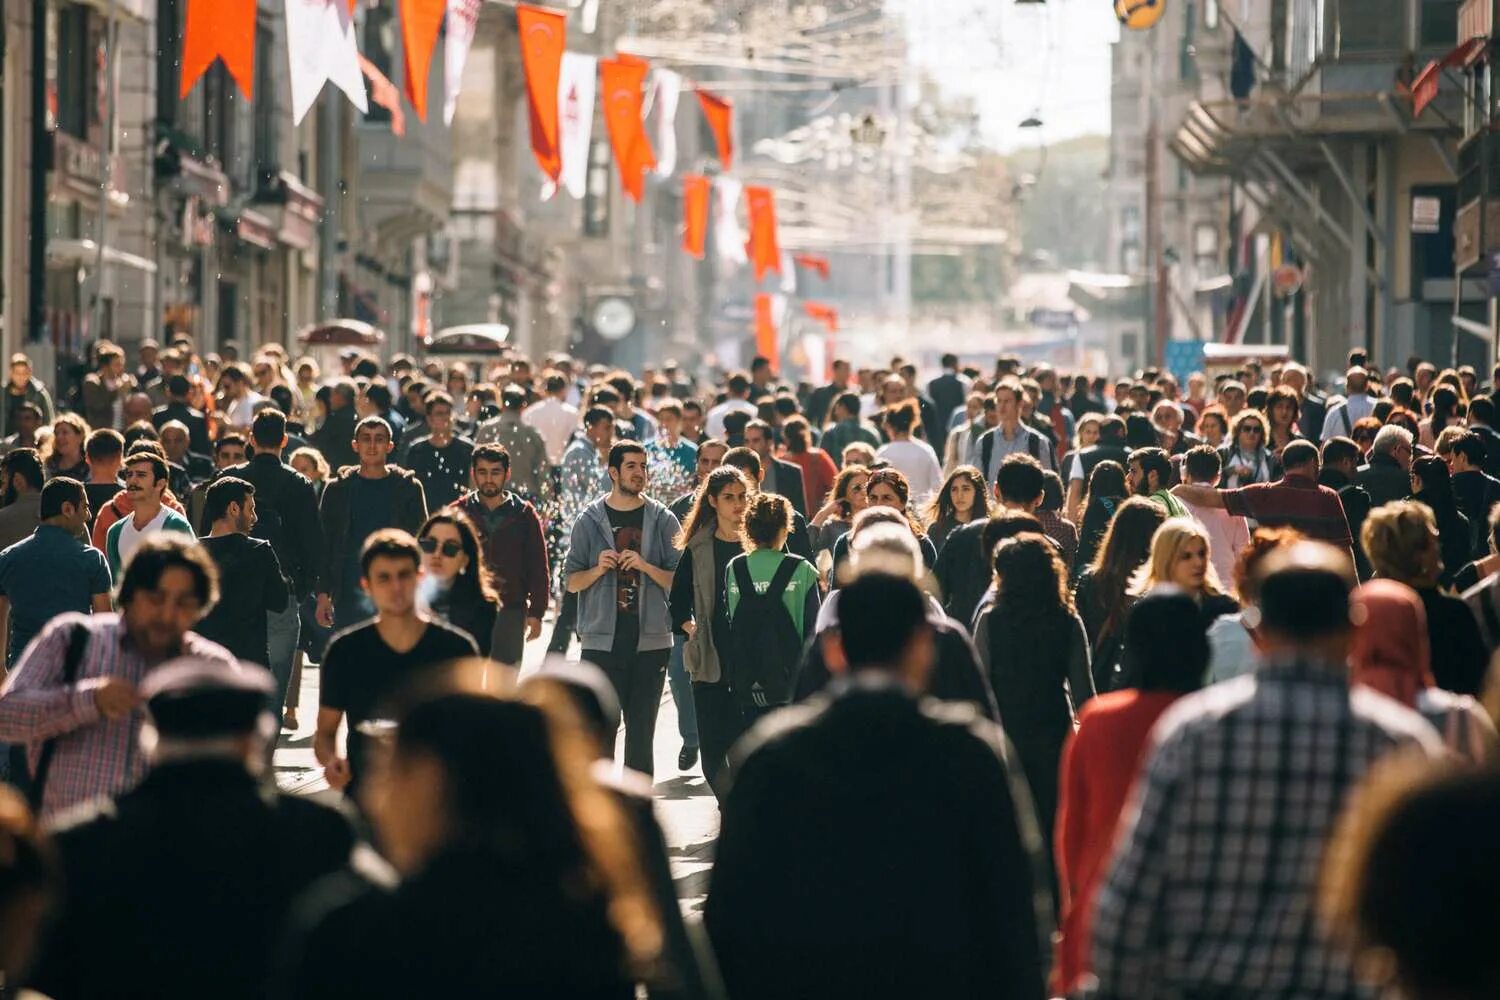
x=1227 y=533
x=240 y=400
x=738 y=402
x=554 y=419
x=1342 y=416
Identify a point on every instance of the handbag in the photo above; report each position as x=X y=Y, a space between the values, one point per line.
x=78 y=641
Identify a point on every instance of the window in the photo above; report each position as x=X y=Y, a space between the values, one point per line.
x=1130 y=224
x=1439 y=24
x=77 y=78
x=267 y=113
x=1206 y=247
x=168 y=47
x=378 y=46
x=1374 y=26
x=1211 y=14
x=218 y=114
x=1130 y=258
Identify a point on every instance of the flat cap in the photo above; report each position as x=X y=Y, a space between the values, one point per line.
x=193 y=698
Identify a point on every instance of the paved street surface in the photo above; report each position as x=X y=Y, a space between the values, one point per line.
x=685 y=806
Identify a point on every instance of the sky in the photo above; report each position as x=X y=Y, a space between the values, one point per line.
x=1049 y=59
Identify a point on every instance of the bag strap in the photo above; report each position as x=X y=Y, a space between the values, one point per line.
x=743 y=578
x=1348 y=424
x=78 y=641
x=782 y=579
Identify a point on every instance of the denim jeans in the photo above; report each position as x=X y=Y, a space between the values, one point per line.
x=682 y=693
x=282 y=631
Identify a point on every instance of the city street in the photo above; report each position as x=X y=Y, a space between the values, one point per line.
x=684 y=806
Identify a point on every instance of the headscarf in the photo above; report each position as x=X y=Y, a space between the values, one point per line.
x=1390 y=652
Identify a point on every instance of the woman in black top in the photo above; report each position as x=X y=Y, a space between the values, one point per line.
x=887 y=488
x=710 y=538
x=517 y=875
x=1106 y=491
x=1102 y=595
x=1431 y=486
x=462 y=593
x=964 y=498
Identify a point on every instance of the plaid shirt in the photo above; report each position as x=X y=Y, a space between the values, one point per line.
x=1212 y=888
x=95 y=757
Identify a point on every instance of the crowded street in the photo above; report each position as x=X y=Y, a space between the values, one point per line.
x=791 y=500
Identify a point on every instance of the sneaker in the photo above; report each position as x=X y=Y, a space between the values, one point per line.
x=687 y=758
x=289 y=721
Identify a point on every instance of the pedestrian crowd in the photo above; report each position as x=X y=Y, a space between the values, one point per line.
x=1006 y=682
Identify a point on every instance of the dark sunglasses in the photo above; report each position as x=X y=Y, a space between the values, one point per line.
x=450 y=547
x=1252 y=429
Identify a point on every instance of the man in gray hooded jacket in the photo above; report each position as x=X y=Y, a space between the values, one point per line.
x=620 y=564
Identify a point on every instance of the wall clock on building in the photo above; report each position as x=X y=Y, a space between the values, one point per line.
x=614 y=317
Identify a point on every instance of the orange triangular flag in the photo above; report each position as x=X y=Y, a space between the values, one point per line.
x=622 y=78
x=827 y=315
x=720 y=114
x=767 y=343
x=813 y=263
x=765 y=253
x=351 y=7
x=695 y=191
x=543 y=35
x=219 y=29
x=421 y=20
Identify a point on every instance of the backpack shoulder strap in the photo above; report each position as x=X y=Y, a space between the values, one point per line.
x=742 y=577
x=783 y=578
x=1348 y=424
x=78 y=641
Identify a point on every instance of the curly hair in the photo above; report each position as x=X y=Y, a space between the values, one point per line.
x=1396 y=537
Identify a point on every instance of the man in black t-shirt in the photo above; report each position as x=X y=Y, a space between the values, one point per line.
x=366 y=664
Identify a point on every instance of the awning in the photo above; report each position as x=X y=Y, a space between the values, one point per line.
x=1424 y=89
x=84 y=253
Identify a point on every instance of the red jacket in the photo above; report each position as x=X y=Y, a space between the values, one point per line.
x=1099 y=767
x=514 y=550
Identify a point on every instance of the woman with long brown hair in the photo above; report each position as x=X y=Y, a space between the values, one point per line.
x=965 y=497
x=709 y=541
x=888 y=488
x=845 y=499
x=1102 y=594
x=456 y=581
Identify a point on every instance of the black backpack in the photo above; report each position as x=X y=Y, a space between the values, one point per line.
x=763 y=649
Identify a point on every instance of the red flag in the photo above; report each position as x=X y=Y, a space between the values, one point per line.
x=765 y=253
x=421 y=20
x=622 y=78
x=351 y=7
x=543 y=34
x=767 y=343
x=695 y=191
x=813 y=263
x=827 y=315
x=720 y=114
x=219 y=29
x=384 y=93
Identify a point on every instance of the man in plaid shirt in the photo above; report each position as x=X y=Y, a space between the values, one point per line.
x=1212 y=891
x=168 y=584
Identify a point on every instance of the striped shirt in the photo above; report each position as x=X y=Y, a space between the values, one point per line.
x=1212 y=890
x=95 y=757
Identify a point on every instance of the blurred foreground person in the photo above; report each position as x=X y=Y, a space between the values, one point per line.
x=873 y=844
x=27 y=885
x=1211 y=892
x=1417 y=926
x=518 y=871
x=181 y=887
x=1101 y=761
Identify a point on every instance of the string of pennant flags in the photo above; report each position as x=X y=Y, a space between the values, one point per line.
x=562 y=89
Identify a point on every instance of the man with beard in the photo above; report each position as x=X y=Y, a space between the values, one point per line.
x=510 y=537
x=145 y=485
x=1150 y=475
x=72 y=698
x=250 y=581
x=620 y=563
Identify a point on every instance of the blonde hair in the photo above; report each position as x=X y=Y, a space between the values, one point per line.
x=1166 y=547
x=314 y=456
x=1395 y=537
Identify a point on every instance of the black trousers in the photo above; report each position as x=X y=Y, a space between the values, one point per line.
x=508 y=641
x=721 y=722
x=638 y=679
x=562 y=627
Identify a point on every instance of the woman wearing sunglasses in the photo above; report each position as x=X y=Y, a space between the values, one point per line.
x=1246 y=458
x=458 y=587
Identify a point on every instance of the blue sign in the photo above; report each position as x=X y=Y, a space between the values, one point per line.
x=1183 y=358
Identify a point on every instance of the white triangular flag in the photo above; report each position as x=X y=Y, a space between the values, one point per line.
x=788 y=273
x=668 y=89
x=577 y=84
x=463 y=22
x=729 y=237
x=321 y=48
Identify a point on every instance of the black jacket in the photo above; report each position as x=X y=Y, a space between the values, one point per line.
x=1476 y=494
x=287 y=506
x=874 y=845
x=181 y=888
x=962 y=573
x=1384 y=480
x=250 y=584
x=333 y=514
x=1356 y=501
x=788 y=484
x=471 y=923
x=948 y=393
x=335 y=438
x=197 y=424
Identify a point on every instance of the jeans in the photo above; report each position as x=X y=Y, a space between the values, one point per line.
x=637 y=679
x=282 y=631
x=682 y=693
